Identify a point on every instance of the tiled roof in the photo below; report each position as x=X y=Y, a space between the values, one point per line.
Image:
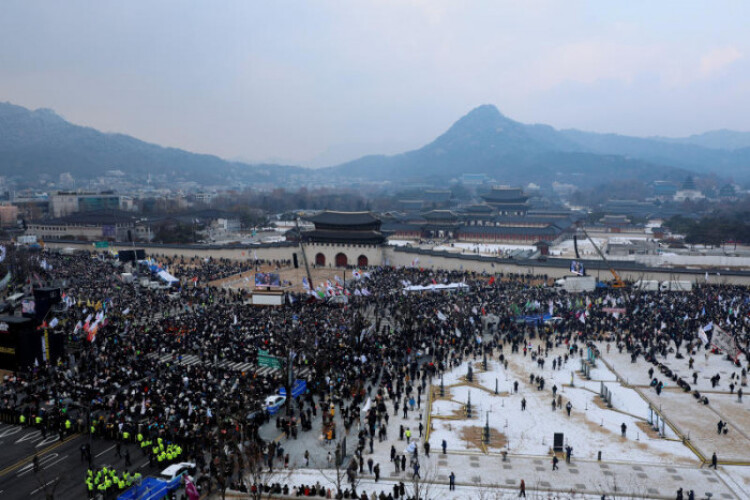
x=538 y=231
x=344 y=218
x=339 y=236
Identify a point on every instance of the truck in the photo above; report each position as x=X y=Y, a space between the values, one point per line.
x=576 y=284
x=676 y=286
x=647 y=285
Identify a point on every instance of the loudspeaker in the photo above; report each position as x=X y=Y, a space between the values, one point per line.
x=126 y=255
x=296 y=264
x=19 y=343
x=558 y=441
x=45 y=298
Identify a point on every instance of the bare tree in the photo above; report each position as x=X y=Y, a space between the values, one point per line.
x=342 y=475
x=423 y=486
x=258 y=470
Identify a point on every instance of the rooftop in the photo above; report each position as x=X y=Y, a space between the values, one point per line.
x=344 y=218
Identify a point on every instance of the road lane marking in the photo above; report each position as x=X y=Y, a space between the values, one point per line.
x=105 y=451
x=43 y=460
x=43 y=486
x=31 y=436
x=11 y=431
x=56 y=461
x=47 y=440
x=29 y=458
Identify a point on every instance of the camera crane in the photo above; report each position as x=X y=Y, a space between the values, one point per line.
x=617 y=281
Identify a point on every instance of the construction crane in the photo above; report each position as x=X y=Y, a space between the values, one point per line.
x=617 y=282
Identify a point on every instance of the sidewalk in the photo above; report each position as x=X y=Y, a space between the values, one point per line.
x=487 y=476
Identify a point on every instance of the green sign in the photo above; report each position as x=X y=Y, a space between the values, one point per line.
x=265 y=359
x=101 y=244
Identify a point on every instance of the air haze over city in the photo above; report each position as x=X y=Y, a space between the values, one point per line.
x=377 y=250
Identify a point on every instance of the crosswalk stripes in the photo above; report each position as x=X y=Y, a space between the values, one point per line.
x=240 y=366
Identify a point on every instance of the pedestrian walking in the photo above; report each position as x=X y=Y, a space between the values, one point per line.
x=452 y=482
x=522 y=492
x=624 y=429
x=377 y=472
x=523 y=404
x=714 y=461
x=554 y=462
x=568 y=407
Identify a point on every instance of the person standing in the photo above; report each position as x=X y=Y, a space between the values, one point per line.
x=445 y=446
x=624 y=429
x=522 y=492
x=523 y=404
x=568 y=407
x=714 y=461
x=554 y=462
x=452 y=479
x=377 y=472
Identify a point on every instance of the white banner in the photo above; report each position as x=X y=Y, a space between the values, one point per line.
x=725 y=341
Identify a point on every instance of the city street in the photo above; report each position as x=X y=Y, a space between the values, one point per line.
x=61 y=469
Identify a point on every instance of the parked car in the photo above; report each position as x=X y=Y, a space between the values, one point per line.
x=274 y=403
x=173 y=474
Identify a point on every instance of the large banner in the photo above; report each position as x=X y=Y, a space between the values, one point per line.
x=267 y=279
x=576 y=267
x=725 y=341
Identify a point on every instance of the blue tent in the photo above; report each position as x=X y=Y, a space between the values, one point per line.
x=299 y=388
x=149 y=489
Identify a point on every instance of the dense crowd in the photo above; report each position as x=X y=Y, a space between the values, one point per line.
x=126 y=382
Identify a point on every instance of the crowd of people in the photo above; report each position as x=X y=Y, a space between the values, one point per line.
x=127 y=381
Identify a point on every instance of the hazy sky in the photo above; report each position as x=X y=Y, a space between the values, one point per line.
x=280 y=80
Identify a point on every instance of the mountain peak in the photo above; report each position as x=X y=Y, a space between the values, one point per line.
x=481 y=120
x=486 y=113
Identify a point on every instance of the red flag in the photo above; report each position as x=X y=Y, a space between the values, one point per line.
x=492 y=280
